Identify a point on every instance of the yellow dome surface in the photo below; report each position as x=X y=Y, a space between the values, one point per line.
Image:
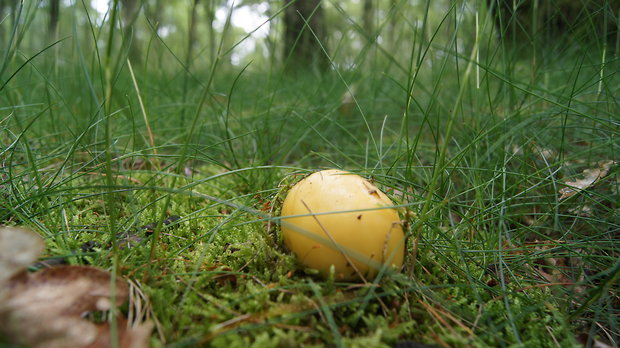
x=333 y=217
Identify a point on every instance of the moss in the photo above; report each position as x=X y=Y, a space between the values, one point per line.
x=220 y=276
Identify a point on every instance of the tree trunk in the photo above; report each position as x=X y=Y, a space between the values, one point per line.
x=54 y=16
x=368 y=17
x=210 y=8
x=191 y=37
x=543 y=22
x=153 y=11
x=304 y=34
x=7 y=26
x=130 y=12
x=392 y=39
x=2 y=6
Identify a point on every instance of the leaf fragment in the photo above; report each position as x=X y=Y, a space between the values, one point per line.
x=49 y=308
x=19 y=248
x=590 y=177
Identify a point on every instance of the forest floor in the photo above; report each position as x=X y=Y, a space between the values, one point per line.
x=506 y=177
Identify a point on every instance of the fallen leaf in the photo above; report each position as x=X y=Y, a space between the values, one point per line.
x=223 y=275
x=135 y=337
x=593 y=342
x=66 y=290
x=19 y=248
x=546 y=154
x=188 y=171
x=590 y=177
x=554 y=265
x=584 y=211
x=48 y=308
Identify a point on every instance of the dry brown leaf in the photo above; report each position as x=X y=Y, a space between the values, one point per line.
x=556 y=267
x=546 y=154
x=584 y=211
x=19 y=248
x=47 y=308
x=590 y=177
x=66 y=290
x=136 y=337
x=226 y=277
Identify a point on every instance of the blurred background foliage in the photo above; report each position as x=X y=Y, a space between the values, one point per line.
x=265 y=32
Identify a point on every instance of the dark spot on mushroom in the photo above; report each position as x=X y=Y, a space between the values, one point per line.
x=359 y=217
x=372 y=190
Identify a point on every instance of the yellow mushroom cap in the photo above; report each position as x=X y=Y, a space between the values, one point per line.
x=333 y=217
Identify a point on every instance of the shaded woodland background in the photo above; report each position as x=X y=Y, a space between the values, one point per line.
x=298 y=34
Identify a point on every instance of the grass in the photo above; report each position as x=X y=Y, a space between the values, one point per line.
x=472 y=134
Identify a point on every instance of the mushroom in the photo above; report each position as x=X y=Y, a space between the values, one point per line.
x=334 y=218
